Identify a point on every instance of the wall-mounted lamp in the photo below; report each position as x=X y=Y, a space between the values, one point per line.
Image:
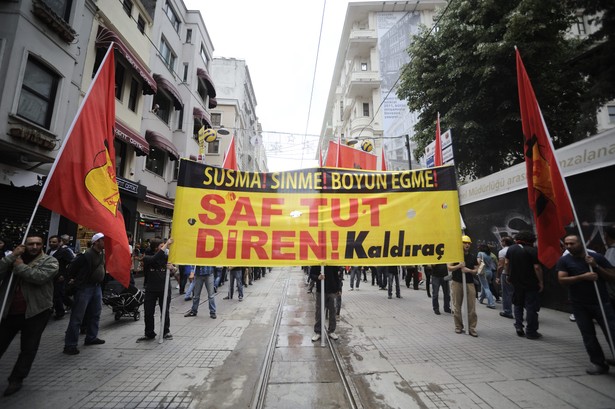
x=223 y=131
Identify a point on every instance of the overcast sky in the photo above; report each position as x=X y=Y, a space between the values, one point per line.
x=278 y=39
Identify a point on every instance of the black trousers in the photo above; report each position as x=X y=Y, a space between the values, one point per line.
x=31 y=331
x=149 y=309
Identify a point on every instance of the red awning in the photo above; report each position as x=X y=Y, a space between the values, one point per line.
x=203 y=75
x=202 y=115
x=124 y=133
x=170 y=88
x=213 y=102
x=160 y=141
x=158 y=200
x=105 y=37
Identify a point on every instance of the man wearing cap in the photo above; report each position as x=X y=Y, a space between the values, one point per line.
x=88 y=273
x=469 y=268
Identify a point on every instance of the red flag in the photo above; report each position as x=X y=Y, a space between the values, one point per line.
x=437 y=158
x=547 y=193
x=230 y=159
x=384 y=160
x=342 y=156
x=81 y=185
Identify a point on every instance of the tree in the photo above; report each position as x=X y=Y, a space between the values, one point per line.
x=465 y=69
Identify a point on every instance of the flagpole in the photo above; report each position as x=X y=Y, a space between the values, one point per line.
x=581 y=235
x=48 y=179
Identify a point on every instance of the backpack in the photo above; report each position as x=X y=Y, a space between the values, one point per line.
x=73 y=270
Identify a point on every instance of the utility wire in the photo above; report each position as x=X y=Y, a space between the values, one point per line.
x=307 y=122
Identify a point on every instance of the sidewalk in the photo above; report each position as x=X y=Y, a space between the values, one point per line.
x=396 y=354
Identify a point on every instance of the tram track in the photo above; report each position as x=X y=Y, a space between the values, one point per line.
x=260 y=390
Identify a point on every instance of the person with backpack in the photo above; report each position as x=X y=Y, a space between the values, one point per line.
x=86 y=273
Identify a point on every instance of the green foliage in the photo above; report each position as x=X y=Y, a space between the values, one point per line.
x=466 y=71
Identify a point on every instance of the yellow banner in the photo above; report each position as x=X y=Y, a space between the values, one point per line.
x=317 y=216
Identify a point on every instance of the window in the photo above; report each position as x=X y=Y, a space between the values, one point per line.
x=611 y=111
x=180 y=120
x=168 y=10
x=176 y=170
x=189 y=35
x=120 y=157
x=213 y=147
x=162 y=106
x=38 y=93
x=167 y=54
x=365 y=109
x=155 y=161
x=363 y=66
x=119 y=80
x=581 y=25
x=216 y=119
x=60 y=7
x=133 y=99
x=185 y=76
x=141 y=24
x=202 y=90
x=127 y=4
x=203 y=54
x=341 y=110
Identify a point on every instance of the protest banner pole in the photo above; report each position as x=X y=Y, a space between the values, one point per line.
x=323 y=333
x=464 y=304
x=165 y=297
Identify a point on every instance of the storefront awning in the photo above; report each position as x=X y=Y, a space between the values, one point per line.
x=105 y=37
x=124 y=133
x=158 y=200
x=160 y=141
x=202 y=115
x=170 y=88
x=154 y=217
x=203 y=75
x=213 y=102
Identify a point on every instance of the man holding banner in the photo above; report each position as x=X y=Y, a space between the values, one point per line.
x=462 y=287
x=333 y=285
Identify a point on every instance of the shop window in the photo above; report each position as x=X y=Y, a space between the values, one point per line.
x=162 y=106
x=38 y=93
x=155 y=161
x=168 y=10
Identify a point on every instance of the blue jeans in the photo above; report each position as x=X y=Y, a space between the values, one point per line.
x=485 y=291
x=355 y=277
x=507 y=292
x=530 y=301
x=391 y=277
x=436 y=283
x=585 y=314
x=208 y=280
x=87 y=304
x=236 y=276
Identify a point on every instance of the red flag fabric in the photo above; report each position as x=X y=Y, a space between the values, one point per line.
x=82 y=185
x=230 y=159
x=437 y=158
x=341 y=156
x=547 y=193
x=384 y=160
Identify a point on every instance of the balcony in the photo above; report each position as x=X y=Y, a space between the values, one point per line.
x=360 y=43
x=361 y=126
x=362 y=83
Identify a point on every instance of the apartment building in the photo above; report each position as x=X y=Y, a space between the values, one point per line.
x=362 y=104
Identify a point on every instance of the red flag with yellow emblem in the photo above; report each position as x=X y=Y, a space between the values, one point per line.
x=547 y=193
x=82 y=185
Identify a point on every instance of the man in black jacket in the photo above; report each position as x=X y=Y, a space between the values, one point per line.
x=64 y=255
x=155 y=271
x=333 y=285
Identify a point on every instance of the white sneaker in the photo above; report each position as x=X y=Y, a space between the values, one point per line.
x=333 y=336
x=315 y=337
